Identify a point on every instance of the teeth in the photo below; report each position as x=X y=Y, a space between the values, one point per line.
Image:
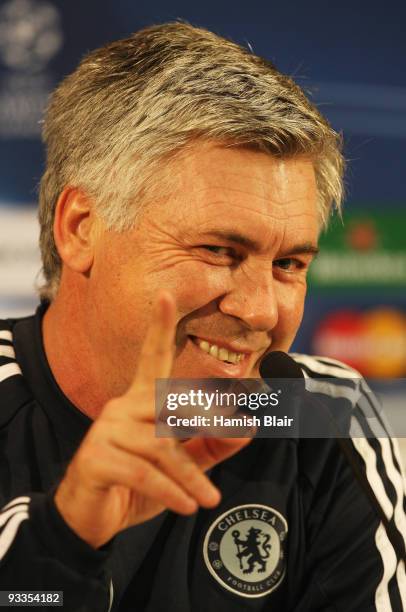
x=233 y=357
x=223 y=354
x=214 y=350
x=220 y=353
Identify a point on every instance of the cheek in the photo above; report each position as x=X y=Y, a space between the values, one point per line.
x=290 y=309
x=196 y=284
x=121 y=300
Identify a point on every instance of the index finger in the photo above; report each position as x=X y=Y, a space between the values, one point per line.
x=157 y=352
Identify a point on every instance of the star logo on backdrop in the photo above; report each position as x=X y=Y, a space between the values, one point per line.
x=30 y=34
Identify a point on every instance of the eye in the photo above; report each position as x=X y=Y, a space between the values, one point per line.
x=221 y=251
x=220 y=255
x=289 y=264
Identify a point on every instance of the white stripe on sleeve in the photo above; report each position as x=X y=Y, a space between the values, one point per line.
x=8 y=370
x=111 y=595
x=382 y=599
x=401 y=576
x=9 y=532
x=4 y=516
x=367 y=452
x=397 y=481
x=7 y=351
x=328 y=370
x=24 y=499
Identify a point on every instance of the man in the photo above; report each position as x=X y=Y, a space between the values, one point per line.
x=187 y=182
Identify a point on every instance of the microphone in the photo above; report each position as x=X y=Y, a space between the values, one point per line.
x=278 y=365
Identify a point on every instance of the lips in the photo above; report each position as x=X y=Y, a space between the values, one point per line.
x=196 y=363
x=218 y=351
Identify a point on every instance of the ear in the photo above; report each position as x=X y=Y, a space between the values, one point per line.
x=75 y=229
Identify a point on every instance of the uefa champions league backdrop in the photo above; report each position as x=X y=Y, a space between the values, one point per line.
x=349 y=56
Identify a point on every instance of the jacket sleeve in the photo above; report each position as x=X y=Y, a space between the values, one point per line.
x=38 y=551
x=357 y=529
x=357 y=522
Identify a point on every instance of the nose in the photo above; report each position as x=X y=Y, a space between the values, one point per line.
x=253 y=300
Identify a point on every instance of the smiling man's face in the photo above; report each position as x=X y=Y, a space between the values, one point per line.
x=232 y=241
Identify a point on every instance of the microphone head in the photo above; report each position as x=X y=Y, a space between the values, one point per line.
x=279 y=365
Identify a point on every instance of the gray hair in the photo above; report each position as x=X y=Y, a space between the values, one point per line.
x=135 y=103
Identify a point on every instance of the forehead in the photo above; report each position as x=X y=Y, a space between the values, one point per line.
x=238 y=189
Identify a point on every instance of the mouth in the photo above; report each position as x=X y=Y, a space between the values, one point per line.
x=220 y=351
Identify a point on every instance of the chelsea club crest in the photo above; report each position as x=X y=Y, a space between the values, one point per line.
x=244 y=549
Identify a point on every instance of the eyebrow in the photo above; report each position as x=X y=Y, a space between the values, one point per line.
x=253 y=245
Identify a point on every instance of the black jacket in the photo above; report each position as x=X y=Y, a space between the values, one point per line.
x=294 y=530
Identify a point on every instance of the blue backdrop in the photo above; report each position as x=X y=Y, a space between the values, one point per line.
x=349 y=56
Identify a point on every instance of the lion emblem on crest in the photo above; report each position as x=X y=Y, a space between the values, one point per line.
x=252 y=547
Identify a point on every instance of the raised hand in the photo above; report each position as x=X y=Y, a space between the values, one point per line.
x=122 y=474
